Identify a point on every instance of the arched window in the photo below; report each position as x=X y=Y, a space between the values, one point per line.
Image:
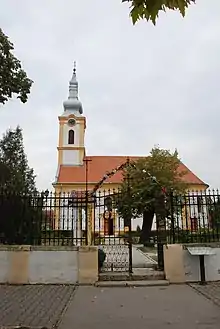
x=71 y=137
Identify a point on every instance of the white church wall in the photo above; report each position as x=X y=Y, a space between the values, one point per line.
x=71 y=157
x=99 y=223
x=139 y=222
x=68 y=218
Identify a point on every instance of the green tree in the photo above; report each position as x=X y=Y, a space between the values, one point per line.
x=4 y=174
x=20 y=206
x=13 y=79
x=19 y=176
x=150 y=9
x=142 y=185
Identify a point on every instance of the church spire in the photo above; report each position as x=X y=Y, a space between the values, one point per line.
x=73 y=85
x=73 y=103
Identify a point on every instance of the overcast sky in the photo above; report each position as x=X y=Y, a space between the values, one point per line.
x=139 y=86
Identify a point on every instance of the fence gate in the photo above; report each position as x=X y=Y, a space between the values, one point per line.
x=112 y=234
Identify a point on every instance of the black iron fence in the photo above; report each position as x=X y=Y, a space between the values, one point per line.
x=194 y=217
x=43 y=219
x=80 y=218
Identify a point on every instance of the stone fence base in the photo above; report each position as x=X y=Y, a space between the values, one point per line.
x=48 y=265
x=180 y=266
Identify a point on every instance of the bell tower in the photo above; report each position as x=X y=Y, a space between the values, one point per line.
x=72 y=125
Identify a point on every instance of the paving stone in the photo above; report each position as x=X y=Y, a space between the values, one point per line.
x=33 y=305
x=210 y=291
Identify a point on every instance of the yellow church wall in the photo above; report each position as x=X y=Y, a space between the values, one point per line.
x=68 y=187
x=82 y=133
x=197 y=187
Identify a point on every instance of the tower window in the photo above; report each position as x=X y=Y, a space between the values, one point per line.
x=71 y=137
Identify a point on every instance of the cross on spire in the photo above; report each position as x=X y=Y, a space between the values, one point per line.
x=74 y=67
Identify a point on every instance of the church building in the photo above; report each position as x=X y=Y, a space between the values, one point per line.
x=76 y=171
x=71 y=171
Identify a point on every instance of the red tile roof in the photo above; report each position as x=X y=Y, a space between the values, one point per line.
x=99 y=165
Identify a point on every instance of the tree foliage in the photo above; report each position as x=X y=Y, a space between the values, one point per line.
x=13 y=79
x=150 y=9
x=143 y=182
x=144 y=178
x=20 y=212
x=16 y=174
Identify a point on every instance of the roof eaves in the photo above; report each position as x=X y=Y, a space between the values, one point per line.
x=84 y=182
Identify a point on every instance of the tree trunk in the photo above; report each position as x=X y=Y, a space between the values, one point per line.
x=147 y=225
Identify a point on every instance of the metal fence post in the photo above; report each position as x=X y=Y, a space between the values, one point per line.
x=161 y=228
x=87 y=233
x=129 y=220
x=172 y=229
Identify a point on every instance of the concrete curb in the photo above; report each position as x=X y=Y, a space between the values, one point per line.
x=22 y=327
x=134 y=284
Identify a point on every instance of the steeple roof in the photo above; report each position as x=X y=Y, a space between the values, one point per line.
x=73 y=104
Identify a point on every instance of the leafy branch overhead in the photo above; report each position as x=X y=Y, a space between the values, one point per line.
x=150 y=9
x=13 y=79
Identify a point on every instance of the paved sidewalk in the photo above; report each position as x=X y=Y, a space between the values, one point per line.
x=34 y=306
x=210 y=291
x=173 y=307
